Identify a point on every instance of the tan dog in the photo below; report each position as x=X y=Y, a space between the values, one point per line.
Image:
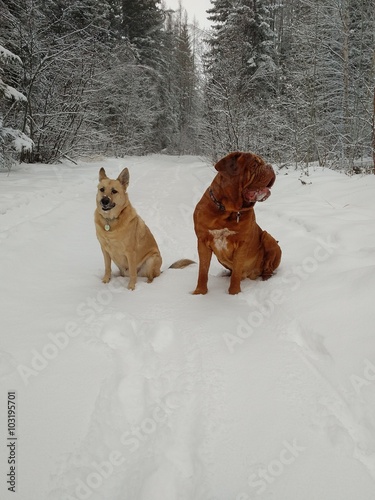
x=123 y=236
x=225 y=224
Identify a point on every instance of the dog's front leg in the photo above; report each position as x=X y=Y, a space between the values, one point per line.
x=132 y=261
x=107 y=266
x=205 y=254
x=237 y=268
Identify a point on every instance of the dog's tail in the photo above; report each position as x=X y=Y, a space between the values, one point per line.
x=180 y=264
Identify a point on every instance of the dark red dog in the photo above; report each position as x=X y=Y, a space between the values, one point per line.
x=225 y=224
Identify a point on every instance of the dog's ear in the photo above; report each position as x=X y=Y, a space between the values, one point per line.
x=102 y=174
x=124 y=177
x=229 y=164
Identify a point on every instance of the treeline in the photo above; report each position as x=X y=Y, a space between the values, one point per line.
x=100 y=76
x=293 y=79
x=290 y=79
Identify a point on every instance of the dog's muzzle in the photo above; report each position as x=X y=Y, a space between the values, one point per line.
x=106 y=203
x=254 y=195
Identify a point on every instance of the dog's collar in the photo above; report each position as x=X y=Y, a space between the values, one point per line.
x=222 y=208
x=219 y=205
x=107 y=225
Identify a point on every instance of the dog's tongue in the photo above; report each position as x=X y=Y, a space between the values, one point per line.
x=256 y=194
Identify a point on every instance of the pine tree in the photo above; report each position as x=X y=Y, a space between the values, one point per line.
x=242 y=73
x=92 y=15
x=142 y=25
x=185 y=87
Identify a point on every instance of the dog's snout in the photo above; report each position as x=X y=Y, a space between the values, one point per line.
x=106 y=203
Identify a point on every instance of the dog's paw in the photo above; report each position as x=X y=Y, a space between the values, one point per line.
x=234 y=290
x=200 y=291
x=106 y=279
x=131 y=286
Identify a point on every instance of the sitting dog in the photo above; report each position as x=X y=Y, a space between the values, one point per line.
x=225 y=224
x=123 y=236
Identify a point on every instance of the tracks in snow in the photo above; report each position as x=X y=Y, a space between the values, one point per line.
x=338 y=409
x=155 y=413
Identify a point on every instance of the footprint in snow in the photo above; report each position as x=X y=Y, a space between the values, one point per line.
x=163 y=336
x=122 y=336
x=310 y=342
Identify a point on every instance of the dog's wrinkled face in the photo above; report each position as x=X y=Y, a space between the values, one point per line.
x=111 y=197
x=247 y=177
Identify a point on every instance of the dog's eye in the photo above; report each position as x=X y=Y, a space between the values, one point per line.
x=114 y=191
x=101 y=190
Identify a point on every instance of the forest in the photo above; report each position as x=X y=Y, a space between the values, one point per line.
x=293 y=80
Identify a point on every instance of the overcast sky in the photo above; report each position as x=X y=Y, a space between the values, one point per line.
x=195 y=8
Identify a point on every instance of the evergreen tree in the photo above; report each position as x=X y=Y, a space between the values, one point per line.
x=242 y=74
x=92 y=15
x=186 y=80
x=142 y=25
x=184 y=87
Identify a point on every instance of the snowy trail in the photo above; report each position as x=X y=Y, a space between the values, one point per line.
x=157 y=394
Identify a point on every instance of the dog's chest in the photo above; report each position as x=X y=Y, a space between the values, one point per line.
x=220 y=238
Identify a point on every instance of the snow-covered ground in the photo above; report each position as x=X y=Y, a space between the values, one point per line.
x=157 y=394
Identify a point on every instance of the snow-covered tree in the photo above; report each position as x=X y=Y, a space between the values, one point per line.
x=142 y=25
x=182 y=89
x=328 y=80
x=242 y=74
x=61 y=49
x=13 y=141
x=293 y=79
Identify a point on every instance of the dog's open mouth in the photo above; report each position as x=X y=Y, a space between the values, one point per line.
x=251 y=196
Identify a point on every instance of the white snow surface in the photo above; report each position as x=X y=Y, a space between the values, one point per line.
x=157 y=394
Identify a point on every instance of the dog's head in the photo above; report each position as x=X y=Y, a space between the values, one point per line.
x=111 y=197
x=245 y=178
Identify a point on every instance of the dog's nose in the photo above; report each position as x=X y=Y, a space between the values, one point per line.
x=105 y=201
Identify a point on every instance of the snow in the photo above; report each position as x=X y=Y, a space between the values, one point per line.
x=158 y=394
x=7 y=54
x=12 y=93
x=19 y=141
